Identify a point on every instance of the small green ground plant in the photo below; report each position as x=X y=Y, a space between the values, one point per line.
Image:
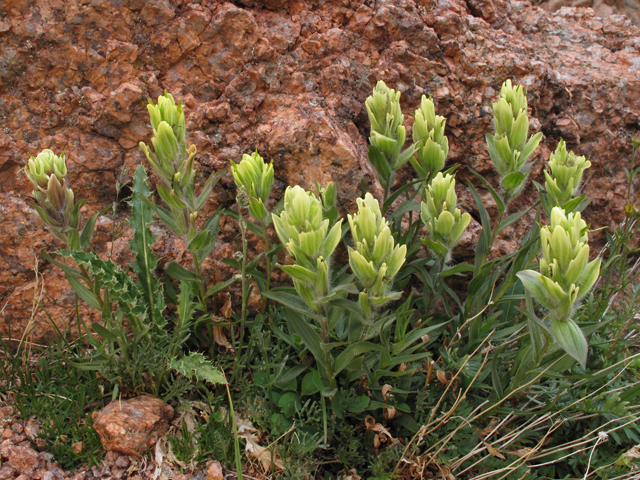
x=384 y=367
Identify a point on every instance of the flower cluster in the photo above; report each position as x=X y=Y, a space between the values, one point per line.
x=54 y=201
x=432 y=144
x=309 y=240
x=387 y=133
x=446 y=222
x=566 y=275
x=376 y=259
x=509 y=148
x=257 y=178
x=564 y=174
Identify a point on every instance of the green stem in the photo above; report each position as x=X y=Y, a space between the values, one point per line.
x=203 y=303
x=327 y=356
x=245 y=291
x=236 y=439
x=267 y=247
x=494 y=235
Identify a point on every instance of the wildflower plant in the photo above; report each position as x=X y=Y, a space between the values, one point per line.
x=564 y=175
x=432 y=145
x=565 y=276
x=257 y=178
x=306 y=236
x=53 y=198
x=174 y=163
x=509 y=148
x=376 y=259
x=439 y=212
x=388 y=135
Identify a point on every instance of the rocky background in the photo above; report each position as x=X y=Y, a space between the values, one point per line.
x=289 y=78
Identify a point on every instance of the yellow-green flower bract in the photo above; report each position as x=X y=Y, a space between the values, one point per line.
x=167 y=111
x=169 y=144
x=387 y=132
x=428 y=134
x=54 y=200
x=566 y=274
x=308 y=239
x=509 y=148
x=257 y=178
x=376 y=259
x=446 y=222
x=46 y=163
x=564 y=175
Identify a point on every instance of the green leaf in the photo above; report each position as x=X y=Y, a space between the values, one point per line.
x=293 y=301
x=200 y=241
x=461 y=267
x=571 y=339
x=512 y=219
x=379 y=162
x=292 y=374
x=288 y=399
x=309 y=386
x=83 y=292
x=87 y=231
x=496 y=196
x=392 y=198
x=309 y=336
x=404 y=157
x=347 y=356
x=178 y=272
x=513 y=180
x=103 y=332
x=358 y=404
x=65 y=268
x=145 y=262
x=218 y=287
x=195 y=365
x=73 y=239
x=208 y=187
x=485 y=220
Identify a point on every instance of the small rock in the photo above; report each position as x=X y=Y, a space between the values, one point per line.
x=8 y=433
x=17 y=427
x=214 y=472
x=123 y=461
x=132 y=426
x=24 y=460
x=6 y=472
x=77 y=447
x=31 y=429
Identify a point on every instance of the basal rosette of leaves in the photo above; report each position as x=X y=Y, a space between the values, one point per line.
x=509 y=148
x=310 y=242
x=388 y=135
x=257 y=178
x=566 y=275
x=54 y=200
x=446 y=222
x=376 y=259
x=432 y=145
x=564 y=174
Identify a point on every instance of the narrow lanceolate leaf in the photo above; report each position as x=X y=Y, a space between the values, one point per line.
x=571 y=339
x=145 y=263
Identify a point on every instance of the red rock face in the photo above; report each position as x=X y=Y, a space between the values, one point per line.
x=288 y=78
x=132 y=426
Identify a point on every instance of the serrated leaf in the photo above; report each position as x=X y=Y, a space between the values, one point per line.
x=195 y=365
